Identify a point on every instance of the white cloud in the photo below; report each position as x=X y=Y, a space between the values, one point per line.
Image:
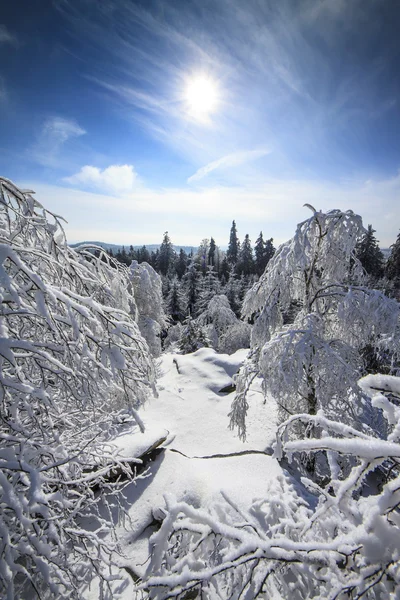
x=55 y=132
x=235 y=159
x=118 y=179
x=6 y=37
x=273 y=206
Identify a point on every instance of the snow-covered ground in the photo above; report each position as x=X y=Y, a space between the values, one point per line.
x=201 y=456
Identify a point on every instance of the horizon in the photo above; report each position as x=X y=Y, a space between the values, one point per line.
x=132 y=118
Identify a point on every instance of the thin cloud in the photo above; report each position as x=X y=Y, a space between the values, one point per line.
x=235 y=159
x=274 y=206
x=6 y=37
x=117 y=179
x=54 y=134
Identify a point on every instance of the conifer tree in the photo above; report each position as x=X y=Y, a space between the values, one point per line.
x=393 y=263
x=369 y=254
x=224 y=269
x=193 y=337
x=209 y=288
x=166 y=256
x=191 y=286
x=211 y=252
x=234 y=246
x=232 y=292
x=245 y=259
x=264 y=251
x=175 y=304
x=181 y=263
x=143 y=255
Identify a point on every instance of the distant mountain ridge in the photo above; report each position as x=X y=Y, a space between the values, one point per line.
x=118 y=247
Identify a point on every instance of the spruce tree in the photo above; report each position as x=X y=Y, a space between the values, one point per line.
x=202 y=255
x=175 y=303
x=210 y=287
x=232 y=292
x=181 y=263
x=143 y=255
x=245 y=259
x=264 y=251
x=191 y=286
x=369 y=254
x=393 y=263
x=166 y=256
x=224 y=269
x=232 y=253
x=211 y=252
x=193 y=337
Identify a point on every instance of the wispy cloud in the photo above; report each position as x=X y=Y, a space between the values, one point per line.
x=54 y=134
x=274 y=206
x=6 y=37
x=235 y=159
x=117 y=179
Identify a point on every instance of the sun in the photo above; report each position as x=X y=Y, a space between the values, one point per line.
x=201 y=97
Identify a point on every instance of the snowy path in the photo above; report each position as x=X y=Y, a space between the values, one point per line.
x=194 y=463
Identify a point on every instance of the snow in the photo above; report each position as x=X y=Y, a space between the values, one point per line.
x=191 y=407
x=192 y=466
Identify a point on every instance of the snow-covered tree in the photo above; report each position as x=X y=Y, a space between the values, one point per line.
x=71 y=355
x=181 y=263
x=263 y=251
x=147 y=288
x=232 y=253
x=176 y=303
x=302 y=540
x=193 y=337
x=201 y=256
x=191 y=286
x=232 y=292
x=209 y=287
x=369 y=254
x=245 y=264
x=167 y=255
x=393 y=263
x=316 y=360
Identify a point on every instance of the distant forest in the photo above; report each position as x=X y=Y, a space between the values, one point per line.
x=191 y=278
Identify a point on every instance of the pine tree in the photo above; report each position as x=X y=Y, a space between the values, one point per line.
x=166 y=256
x=264 y=251
x=181 y=263
x=224 y=269
x=245 y=260
x=211 y=252
x=143 y=255
x=232 y=253
x=269 y=250
x=202 y=255
x=193 y=337
x=210 y=287
x=232 y=292
x=191 y=286
x=393 y=263
x=175 y=303
x=369 y=254
x=132 y=255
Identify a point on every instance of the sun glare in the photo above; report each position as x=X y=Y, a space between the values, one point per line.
x=201 y=97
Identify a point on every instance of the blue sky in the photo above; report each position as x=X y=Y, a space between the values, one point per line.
x=95 y=118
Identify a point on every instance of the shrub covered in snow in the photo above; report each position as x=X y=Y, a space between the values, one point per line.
x=302 y=541
x=193 y=337
x=341 y=331
x=71 y=354
x=224 y=329
x=147 y=288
